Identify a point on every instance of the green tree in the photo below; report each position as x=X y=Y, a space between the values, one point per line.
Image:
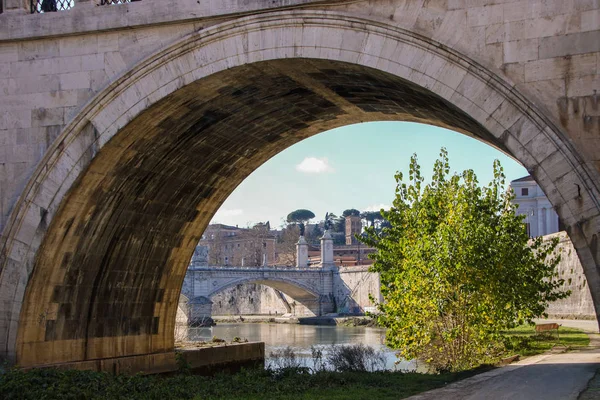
x=457 y=267
x=371 y=217
x=351 y=211
x=300 y=217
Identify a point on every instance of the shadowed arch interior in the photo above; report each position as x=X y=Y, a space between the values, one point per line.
x=110 y=269
x=302 y=294
x=293 y=289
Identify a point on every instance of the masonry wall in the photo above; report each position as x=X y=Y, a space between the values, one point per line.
x=579 y=305
x=352 y=287
x=47 y=75
x=248 y=299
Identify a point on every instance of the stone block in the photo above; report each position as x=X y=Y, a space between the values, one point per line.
x=92 y=62
x=108 y=42
x=519 y=151
x=38 y=49
x=486 y=15
x=31 y=68
x=506 y=114
x=114 y=64
x=540 y=147
x=77 y=80
x=69 y=64
x=524 y=130
x=35 y=84
x=15 y=119
x=590 y=20
x=495 y=33
x=576 y=43
x=480 y=93
x=9 y=52
x=521 y=50
x=47 y=117
x=536 y=28
x=78 y=45
x=557 y=68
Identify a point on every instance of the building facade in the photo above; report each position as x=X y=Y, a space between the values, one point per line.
x=353 y=227
x=230 y=245
x=540 y=217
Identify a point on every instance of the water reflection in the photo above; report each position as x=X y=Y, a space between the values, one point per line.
x=301 y=337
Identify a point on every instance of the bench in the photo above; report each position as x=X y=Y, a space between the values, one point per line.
x=541 y=328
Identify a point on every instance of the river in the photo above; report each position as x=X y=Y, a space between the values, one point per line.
x=301 y=337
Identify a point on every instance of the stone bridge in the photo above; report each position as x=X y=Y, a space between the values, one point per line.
x=124 y=127
x=312 y=287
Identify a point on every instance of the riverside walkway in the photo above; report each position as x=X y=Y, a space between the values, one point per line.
x=549 y=376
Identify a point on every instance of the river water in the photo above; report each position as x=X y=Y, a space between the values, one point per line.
x=301 y=337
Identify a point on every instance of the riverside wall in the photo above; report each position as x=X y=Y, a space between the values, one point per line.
x=579 y=305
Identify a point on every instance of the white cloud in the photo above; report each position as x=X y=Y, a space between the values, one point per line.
x=377 y=207
x=313 y=165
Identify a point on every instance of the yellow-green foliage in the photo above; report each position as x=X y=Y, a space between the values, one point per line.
x=456 y=268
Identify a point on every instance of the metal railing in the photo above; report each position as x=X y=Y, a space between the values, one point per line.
x=44 y=6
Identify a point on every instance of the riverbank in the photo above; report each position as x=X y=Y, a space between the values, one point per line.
x=294 y=383
x=318 y=321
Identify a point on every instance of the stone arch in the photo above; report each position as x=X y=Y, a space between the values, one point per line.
x=301 y=292
x=293 y=288
x=49 y=316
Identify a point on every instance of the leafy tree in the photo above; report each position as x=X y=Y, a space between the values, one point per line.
x=457 y=267
x=351 y=211
x=336 y=224
x=371 y=217
x=300 y=216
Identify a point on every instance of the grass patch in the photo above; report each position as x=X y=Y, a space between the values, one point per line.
x=524 y=340
x=250 y=384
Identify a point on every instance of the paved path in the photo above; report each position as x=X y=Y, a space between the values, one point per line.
x=547 y=376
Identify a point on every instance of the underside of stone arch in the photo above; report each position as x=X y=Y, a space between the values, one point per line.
x=103 y=247
x=110 y=269
x=298 y=292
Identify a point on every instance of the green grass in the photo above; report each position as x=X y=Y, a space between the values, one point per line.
x=45 y=384
x=524 y=341
x=255 y=384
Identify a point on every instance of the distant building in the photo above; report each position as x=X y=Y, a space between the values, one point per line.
x=540 y=217
x=229 y=245
x=353 y=227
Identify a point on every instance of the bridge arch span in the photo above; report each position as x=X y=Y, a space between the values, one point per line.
x=293 y=288
x=301 y=292
x=97 y=246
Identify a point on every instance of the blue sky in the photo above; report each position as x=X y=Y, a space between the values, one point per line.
x=352 y=167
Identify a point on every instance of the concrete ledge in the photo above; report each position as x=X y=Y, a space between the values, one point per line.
x=201 y=360
x=231 y=357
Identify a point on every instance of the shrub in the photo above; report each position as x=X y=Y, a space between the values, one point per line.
x=284 y=358
x=356 y=357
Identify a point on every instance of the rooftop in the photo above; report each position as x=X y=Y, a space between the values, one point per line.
x=527 y=178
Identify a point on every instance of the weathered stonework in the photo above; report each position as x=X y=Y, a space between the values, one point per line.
x=579 y=304
x=283 y=290
x=123 y=128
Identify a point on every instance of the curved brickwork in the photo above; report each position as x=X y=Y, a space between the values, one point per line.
x=96 y=246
